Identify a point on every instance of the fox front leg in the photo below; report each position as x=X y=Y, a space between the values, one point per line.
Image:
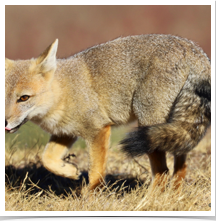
x=54 y=155
x=98 y=149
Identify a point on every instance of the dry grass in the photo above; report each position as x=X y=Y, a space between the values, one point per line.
x=30 y=187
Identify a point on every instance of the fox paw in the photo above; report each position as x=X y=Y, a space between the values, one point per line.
x=64 y=168
x=70 y=170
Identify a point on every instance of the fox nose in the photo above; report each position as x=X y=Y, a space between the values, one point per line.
x=6 y=123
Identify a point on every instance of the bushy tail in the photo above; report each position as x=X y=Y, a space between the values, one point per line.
x=186 y=124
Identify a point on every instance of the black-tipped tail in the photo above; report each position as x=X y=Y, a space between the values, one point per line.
x=137 y=142
x=177 y=138
x=187 y=122
x=164 y=137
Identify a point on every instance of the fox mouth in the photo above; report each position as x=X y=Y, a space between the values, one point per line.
x=13 y=130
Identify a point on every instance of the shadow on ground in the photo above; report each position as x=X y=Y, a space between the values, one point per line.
x=31 y=174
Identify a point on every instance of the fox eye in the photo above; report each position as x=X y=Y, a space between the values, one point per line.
x=23 y=98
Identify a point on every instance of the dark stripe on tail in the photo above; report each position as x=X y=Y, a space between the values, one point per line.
x=203 y=90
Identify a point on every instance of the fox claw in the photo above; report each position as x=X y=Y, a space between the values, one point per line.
x=68 y=157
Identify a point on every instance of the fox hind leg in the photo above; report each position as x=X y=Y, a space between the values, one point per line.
x=54 y=154
x=180 y=167
x=159 y=168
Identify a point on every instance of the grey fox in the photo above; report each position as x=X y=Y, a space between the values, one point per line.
x=162 y=81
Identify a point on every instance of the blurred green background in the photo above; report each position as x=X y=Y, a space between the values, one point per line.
x=31 y=136
x=30 y=29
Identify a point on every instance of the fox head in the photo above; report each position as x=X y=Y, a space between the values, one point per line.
x=27 y=86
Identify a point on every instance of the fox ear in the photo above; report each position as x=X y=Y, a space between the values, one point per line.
x=47 y=60
x=8 y=63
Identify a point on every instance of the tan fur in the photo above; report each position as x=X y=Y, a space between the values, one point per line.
x=137 y=77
